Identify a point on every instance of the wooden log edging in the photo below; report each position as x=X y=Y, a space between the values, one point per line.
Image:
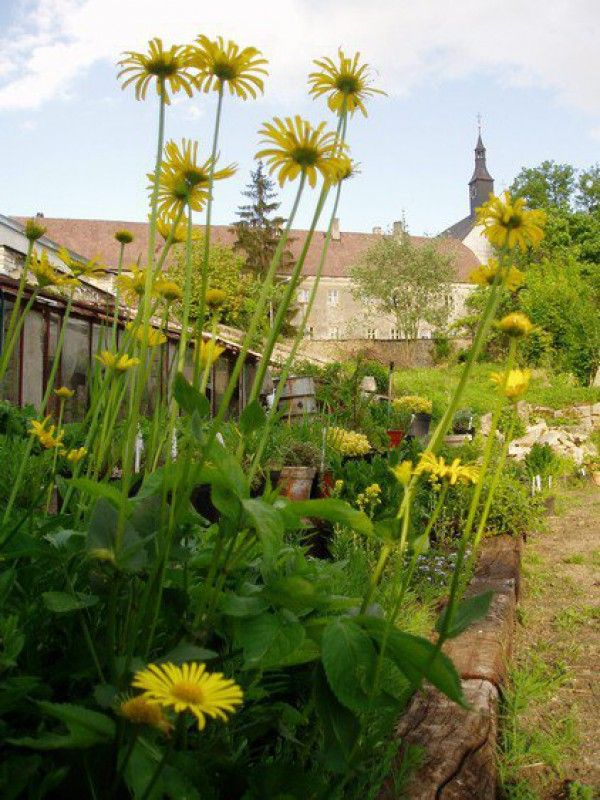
x=458 y=746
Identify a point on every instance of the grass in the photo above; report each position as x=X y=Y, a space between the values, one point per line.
x=568 y=618
x=438 y=383
x=533 y=744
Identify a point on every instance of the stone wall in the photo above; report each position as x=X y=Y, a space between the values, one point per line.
x=404 y=353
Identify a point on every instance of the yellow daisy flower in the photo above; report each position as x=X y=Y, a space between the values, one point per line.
x=90 y=269
x=169 y=68
x=208 y=351
x=132 y=283
x=124 y=236
x=428 y=463
x=182 y=181
x=512 y=384
x=485 y=275
x=221 y=63
x=46 y=275
x=64 y=392
x=46 y=436
x=516 y=324
x=153 y=337
x=140 y=711
x=469 y=473
x=75 y=456
x=118 y=363
x=403 y=472
x=33 y=230
x=346 y=83
x=190 y=688
x=215 y=298
x=168 y=290
x=297 y=147
x=178 y=234
x=509 y=223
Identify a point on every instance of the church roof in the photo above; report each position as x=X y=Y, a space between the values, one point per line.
x=93 y=237
x=461 y=229
x=481 y=171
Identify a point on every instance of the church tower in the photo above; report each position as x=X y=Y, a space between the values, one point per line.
x=481 y=184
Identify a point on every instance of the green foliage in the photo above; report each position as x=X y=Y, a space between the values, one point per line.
x=408 y=281
x=226 y=271
x=541 y=460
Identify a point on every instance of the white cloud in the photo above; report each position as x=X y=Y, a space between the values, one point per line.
x=549 y=44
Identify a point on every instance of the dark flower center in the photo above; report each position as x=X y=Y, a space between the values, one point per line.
x=224 y=70
x=162 y=68
x=305 y=156
x=348 y=84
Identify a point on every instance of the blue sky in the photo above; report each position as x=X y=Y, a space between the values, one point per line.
x=75 y=145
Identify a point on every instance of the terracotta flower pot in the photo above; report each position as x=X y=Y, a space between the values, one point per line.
x=327 y=483
x=395 y=437
x=296 y=482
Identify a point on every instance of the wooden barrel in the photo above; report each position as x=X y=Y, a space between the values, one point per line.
x=298 y=397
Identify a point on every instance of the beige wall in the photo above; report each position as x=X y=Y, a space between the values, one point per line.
x=476 y=241
x=350 y=319
x=407 y=353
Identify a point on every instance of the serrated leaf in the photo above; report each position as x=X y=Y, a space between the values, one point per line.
x=63 y=602
x=130 y=555
x=252 y=417
x=349 y=658
x=467 y=611
x=233 y=605
x=340 y=726
x=417 y=658
x=269 y=638
x=99 y=490
x=188 y=398
x=333 y=510
x=268 y=524
x=86 y=728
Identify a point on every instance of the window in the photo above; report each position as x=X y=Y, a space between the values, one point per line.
x=309 y=332
x=332 y=297
x=334 y=333
x=303 y=296
x=371 y=333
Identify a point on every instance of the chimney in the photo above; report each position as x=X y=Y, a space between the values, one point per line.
x=40 y=215
x=377 y=230
x=398 y=227
x=335 y=229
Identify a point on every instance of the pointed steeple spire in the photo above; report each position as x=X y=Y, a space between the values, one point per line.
x=481 y=184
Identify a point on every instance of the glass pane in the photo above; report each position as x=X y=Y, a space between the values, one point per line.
x=75 y=363
x=33 y=360
x=10 y=385
x=53 y=329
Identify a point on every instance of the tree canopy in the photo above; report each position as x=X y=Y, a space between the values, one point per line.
x=411 y=282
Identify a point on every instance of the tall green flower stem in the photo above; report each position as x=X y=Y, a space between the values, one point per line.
x=13 y=337
x=187 y=296
x=142 y=374
x=257 y=317
x=115 y=323
x=209 y=204
x=61 y=409
x=297 y=340
x=208 y=365
x=14 y=314
x=465 y=539
x=45 y=399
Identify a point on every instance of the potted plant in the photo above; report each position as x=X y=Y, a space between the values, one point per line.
x=300 y=463
x=411 y=415
x=462 y=422
x=348 y=444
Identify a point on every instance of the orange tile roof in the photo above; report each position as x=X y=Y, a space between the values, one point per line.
x=93 y=237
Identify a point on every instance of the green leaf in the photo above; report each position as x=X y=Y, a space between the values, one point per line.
x=102 y=490
x=341 y=728
x=467 y=611
x=349 y=658
x=102 y=539
x=185 y=651
x=295 y=592
x=269 y=638
x=252 y=417
x=333 y=510
x=188 y=398
x=63 y=602
x=86 y=728
x=268 y=524
x=417 y=658
x=232 y=605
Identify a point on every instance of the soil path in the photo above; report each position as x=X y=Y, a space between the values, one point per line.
x=560 y=616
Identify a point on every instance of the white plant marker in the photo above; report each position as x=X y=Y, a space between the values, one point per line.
x=139 y=449
x=174 y=445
